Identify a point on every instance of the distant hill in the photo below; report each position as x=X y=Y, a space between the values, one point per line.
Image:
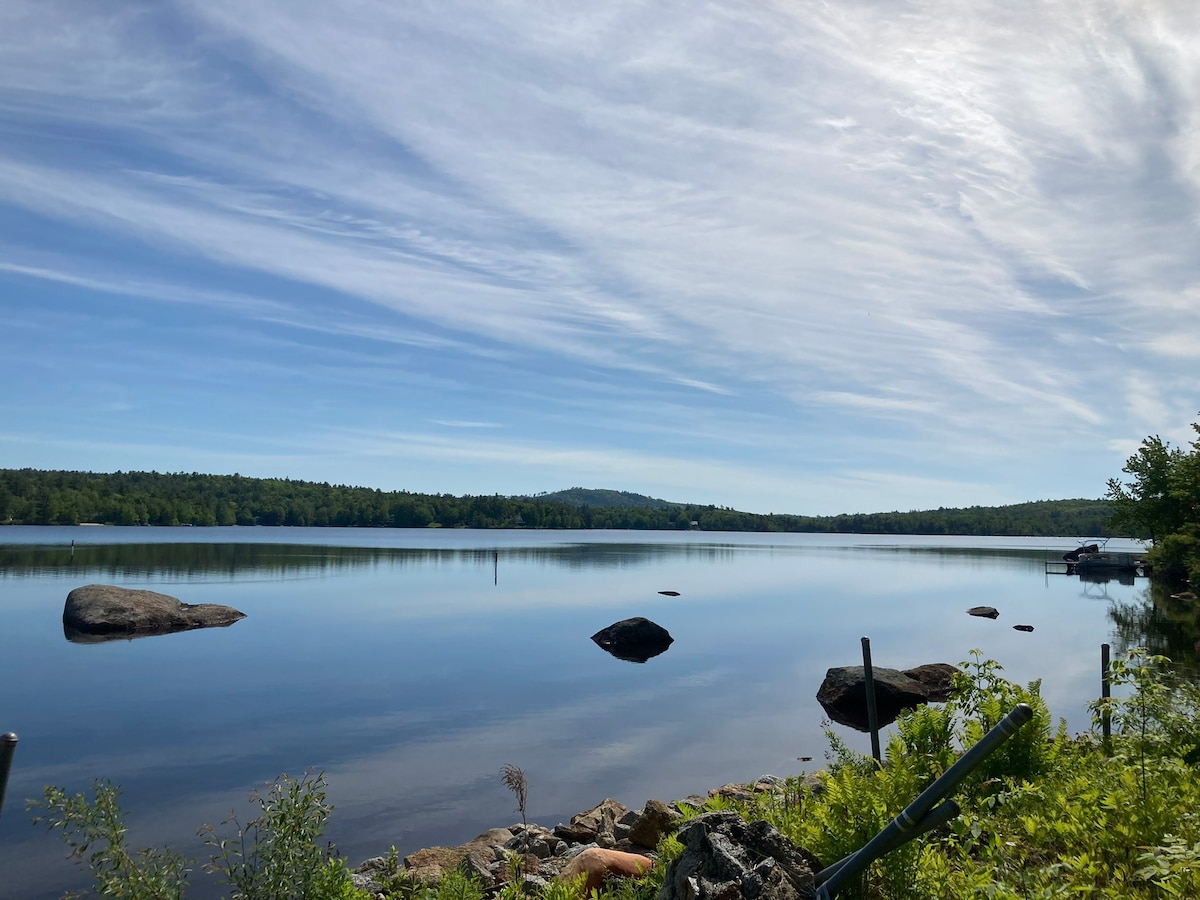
x=578 y=496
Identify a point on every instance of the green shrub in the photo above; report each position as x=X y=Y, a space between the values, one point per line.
x=277 y=855
x=1044 y=817
x=95 y=832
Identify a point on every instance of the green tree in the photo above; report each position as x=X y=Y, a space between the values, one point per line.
x=1149 y=504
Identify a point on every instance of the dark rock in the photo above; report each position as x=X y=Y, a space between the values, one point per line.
x=104 y=610
x=669 y=593
x=591 y=825
x=634 y=640
x=630 y=818
x=938 y=679
x=656 y=821
x=532 y=839
x=843 y=693
x=984 y=612
x=726 y=858
x=1023 y=628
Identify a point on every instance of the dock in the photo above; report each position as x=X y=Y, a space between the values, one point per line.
x=1102 y=563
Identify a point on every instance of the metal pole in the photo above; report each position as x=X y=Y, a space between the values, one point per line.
x=1105 y=694
x=8 y=744
x=939 y=815
x=905 y=826
x=872 y=715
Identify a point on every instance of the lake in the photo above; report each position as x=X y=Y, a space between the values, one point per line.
x=410 y=665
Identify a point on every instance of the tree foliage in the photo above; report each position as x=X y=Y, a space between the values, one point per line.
x=37 y=497
x=1162 y=501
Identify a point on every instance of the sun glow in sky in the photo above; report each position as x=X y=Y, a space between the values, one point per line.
x=793 y=257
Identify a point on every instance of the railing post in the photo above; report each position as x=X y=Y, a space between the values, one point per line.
x=872 y=715
x=8 y=744
x=1105 y=694
x=912 y=820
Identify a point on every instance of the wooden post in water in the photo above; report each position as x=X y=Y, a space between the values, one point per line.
x=1105 y=694
x=8 y=745
x=872 y=715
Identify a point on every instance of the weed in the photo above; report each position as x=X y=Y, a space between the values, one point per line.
x=277 y=854
x=515 y=781
x=99 y=826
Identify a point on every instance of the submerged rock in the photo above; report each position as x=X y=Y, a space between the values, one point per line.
x=106 y=612
x=984 y=612
x=634 y=640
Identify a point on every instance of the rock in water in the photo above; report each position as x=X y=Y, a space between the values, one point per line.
x=843 y=693
x=106 y=612
x=938 y=679
x=634 y=640
x=984 y=612
x=727 y=858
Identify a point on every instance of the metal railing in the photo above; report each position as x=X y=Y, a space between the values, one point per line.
x=926 y=812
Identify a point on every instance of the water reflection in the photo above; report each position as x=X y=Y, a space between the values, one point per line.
x=1161 y=624
x=183 y=560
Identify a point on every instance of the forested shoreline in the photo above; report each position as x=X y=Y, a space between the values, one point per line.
x=43 y=497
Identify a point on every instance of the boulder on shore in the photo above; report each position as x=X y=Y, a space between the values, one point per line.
x=728 y=858
x=843 y=693
x=634 y=640
x=106 y=612
x=597 y=864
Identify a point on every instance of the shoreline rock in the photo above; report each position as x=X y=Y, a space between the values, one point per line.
x=606 y=840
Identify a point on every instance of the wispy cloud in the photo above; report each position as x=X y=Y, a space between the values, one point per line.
x=876 y=237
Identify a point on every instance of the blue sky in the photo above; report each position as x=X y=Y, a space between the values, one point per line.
x=791 y=257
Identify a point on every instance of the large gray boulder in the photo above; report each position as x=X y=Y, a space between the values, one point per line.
x=843 y=693
x=727 y=858
x=104 y=611
x=634 y=640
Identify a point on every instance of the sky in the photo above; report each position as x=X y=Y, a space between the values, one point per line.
x=804 y=257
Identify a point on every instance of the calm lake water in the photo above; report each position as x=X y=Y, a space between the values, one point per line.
x=411 y=665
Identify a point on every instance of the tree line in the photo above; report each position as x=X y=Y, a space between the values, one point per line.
x=1162 y=502
x=41 y=497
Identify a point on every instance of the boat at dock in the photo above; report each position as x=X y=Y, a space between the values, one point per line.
x=1092 y=561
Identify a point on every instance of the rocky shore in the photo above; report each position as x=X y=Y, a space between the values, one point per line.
x=608 y=839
